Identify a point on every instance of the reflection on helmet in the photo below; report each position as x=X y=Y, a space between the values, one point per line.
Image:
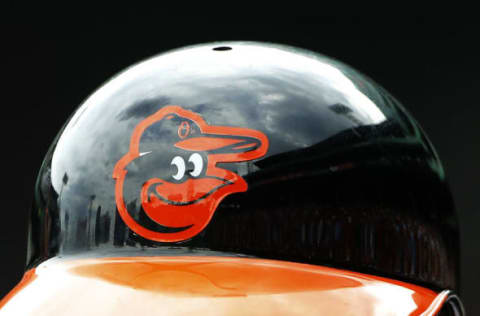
x=259 y=150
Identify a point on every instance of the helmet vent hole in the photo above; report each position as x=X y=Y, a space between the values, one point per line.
x=222 y=48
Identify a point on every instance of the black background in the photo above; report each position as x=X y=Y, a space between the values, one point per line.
x=431 y=67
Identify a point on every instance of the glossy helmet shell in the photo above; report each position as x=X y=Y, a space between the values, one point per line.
x=248 y=149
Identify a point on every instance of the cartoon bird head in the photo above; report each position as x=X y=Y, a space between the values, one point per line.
x=174 y=155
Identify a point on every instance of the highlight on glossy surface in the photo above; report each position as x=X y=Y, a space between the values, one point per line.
x=212 y=286
x=27 y=278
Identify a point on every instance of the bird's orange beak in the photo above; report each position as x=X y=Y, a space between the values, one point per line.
x=183 y=193
x=227 y=144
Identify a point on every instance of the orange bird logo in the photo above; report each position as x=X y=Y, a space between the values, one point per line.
x=172 y=161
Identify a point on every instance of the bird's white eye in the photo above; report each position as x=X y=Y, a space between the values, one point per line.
x=180 y=164
x=197 y=161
